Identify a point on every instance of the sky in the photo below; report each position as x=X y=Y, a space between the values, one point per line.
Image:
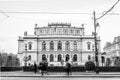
x=13 y=25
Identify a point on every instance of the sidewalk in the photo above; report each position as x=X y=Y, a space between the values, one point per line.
x=59 y=74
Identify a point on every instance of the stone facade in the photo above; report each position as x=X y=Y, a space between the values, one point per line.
x=112 y=50
x=57 y=43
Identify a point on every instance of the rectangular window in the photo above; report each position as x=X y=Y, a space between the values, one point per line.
x=88 y=45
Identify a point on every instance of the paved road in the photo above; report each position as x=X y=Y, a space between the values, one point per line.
x=20 y=75
x=65 y=78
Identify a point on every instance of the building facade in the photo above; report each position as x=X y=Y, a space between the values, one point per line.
x=56 y=43
x=112 y=50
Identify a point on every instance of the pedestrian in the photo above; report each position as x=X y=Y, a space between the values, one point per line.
x=35 y=67
x=40 y=67
x=68 y=68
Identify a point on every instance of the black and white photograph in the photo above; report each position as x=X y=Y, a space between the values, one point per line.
x=59 y=39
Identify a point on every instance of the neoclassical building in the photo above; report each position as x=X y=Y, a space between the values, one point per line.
x=57 y=43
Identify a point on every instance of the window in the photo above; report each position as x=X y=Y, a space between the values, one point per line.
x=65 y=31
x=93 y=47
x=71 y=31
x=88 y=45
x=51 y=45
x=51 y=58
x=77 y=31
x=75 y=45
x=30 y=45
x=29 y=57
x=44 y=57
x=40 y=31
x=59 y=45
x=89 y=57
x=102 y=59
x=67 y=57
x=43 y=46
x=67 y=44
x=59 y=57
x=75 y=58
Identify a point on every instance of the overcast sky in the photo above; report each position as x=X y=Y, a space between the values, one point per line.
x=13 y=26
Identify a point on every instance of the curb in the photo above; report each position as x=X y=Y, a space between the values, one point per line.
x=72 y=76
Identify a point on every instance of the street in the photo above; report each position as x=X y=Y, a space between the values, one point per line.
x=20 y=75
x=56 y=78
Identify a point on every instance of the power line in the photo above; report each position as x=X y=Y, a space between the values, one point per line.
x=106 y=12
x=37 y=12
x=4 y=13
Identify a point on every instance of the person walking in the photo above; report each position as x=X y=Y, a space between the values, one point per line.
x=35 y=67
x=68 y=68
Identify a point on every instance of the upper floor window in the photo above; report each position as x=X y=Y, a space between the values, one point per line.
x=77 y=31
x=59 y=45
x=89 y=57
x=88 y=45
x=51 y=45
x=29 y=57
x=43 y=45
x=75 y=45
x=40 y=31
x=51 y=58
x=30 y=45
x=65 y=31
x=67 y=45
x=71 y=31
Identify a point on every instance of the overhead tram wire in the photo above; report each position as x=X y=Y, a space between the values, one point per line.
x=106 y=12
x=37 y=12
x=5 y=15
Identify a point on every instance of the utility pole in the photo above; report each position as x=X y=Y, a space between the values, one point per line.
x=96 y=50
x=95 y=34
x=37 y=47
x=37 y=41
x=25 y=55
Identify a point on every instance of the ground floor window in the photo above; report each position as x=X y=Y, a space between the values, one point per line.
x=44 y=57
x=59 y=57
x=51 y=58
x=67 y=57
x=75 y=58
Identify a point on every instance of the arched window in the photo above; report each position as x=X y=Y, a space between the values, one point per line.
x=43 y=46
x=75 y=58
x=102 y=59
x=51 y=45
x=75 y=45
x=59 y=45
x=59 y=57
x=67 y=57
x=44 y=57
x=51 y=58
x=88 y=45
x=30 y=45
x=89 y=57
x=29 y=57
x=67 y=45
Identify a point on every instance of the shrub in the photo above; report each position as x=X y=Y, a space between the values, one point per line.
x=89 y=66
